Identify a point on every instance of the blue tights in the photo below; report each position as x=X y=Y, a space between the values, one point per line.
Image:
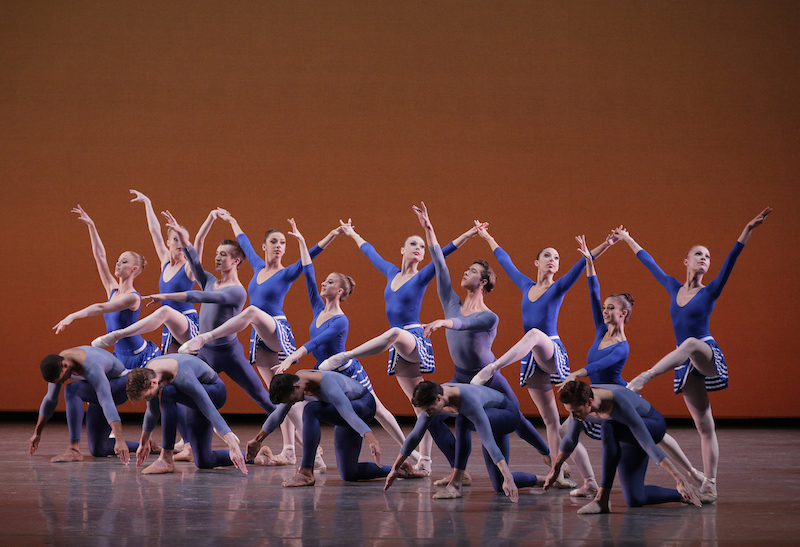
x=621 y=451
x=229 y=358
x=97 y=427
x=347 y=442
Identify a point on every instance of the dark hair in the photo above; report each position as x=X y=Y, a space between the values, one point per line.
x=488 y=275
x=270 y=231
x=425 y=393
x=626 y=302
x=51 y=367
x=281 y=387
x=575 y=393
x=237 y=251
x=346 y=283
x=138 y=381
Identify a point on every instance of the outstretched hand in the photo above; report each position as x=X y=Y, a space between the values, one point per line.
x=347 y=227
x=422 y=215
x=61 y=325
x=431 y=327
x=294 y=232
x=82 y=216
x=34 y=442
x=760 y=218
x=253 y=446
x=139 y=197
x=582 y=248
x=390 y=478
x=482 y=229
x=183 y=233
x=142 y=453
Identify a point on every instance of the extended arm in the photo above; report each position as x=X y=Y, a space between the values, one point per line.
x=748 y=229
x=153 y=226
x=98 y=251
x=129 y=301
x=200 y=237
x=349 y=231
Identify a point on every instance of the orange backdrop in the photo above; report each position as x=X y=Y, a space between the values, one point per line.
x=546 y=119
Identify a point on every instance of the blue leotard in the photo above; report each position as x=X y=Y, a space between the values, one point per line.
x=179 y=282
x=542 y=314
x=224 y=354
x=604 y=365
x=693 y=320
x=330 y=337
x=134 y=351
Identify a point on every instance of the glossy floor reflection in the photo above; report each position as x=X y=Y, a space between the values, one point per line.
x=101 y=502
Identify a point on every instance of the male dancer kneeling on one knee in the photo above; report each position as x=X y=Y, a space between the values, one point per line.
x=490 y=412
x=336 y=399
x=631 y=428
x=189 y=381
x=101 y=383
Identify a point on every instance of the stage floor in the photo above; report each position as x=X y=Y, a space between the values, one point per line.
x=101 y=502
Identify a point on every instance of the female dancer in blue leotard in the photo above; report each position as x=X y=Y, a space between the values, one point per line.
x=271 y=333
x=607 y=357
x=328 y=332
x=124 y=303
x=410 y=352
x=544 y=357
x=471 y=327
x=698 y=362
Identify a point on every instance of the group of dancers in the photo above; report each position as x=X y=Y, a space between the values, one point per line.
x=180 y=379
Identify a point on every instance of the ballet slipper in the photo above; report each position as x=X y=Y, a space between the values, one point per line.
x=483 y=376
x=319 y=464
x=299 y=480
x=704 y=497
x=566 y=469
x=106 y=340
x=265 y=458
x=697 y=477
x=408 y=472
x=335 y=361
x=637 y=384
x=595 y=508
x=195 y=344
x=159 y=467
x=709 y=487
x=587 y=490
x=562 y=483
x=466 y=480
x=154 y=447
x=447 y=493
x=424 y=465
x=286 y=457
x=185 y=455
x=70 y=455
x=179 y=446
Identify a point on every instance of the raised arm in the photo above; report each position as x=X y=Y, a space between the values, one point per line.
x=330 y=236
x=349 y=231
x=584 y=250
x=748 y=229
x=622 y=235
x=153 y=226
x=425 y=221
x=129 y=301
x=227 y=217
x=483 y=231
x=202 y=233
x=98 y=251
x=469 y=234
x=305 y=257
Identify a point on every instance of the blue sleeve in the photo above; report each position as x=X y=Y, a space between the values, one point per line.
x=151 y=415
x=200 y=275
x=518 y=278
x=484 y=320
x=344 y=407
x=618 y=354
x=715 y=287
x=293 y=272
x=597 y=307
x=99 y=381
x=415 y=437
x=190 y=386
x=50 y=400
x=382 y=265
x=228 y=296
x=667 y=281
x=566 y=281
x=626 y=413
x=447 y=296
x=315 y=251
x=570 y=440
x=275 y=419
x=429 y=271
x=317 y=304
x=256 y=261
x=333 y=328
x=477 y=415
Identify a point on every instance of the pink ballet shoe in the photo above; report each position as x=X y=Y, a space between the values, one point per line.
x=588 y=490
x=637 y=384
x=194 y=345
x=106 y=340
x=335 y=361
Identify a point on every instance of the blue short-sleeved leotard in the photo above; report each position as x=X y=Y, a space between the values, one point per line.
x=542 y=313
x=694 y=319
x=330 y=337
x=179 y=282
x=133 y=351
x=403 y=306
x=269 y=295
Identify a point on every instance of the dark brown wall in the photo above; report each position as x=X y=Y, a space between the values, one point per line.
x=548 y=120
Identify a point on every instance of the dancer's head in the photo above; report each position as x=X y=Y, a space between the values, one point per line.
x=283 y=389
x=274 y=246
x=577 y=398
x=229 y=255
x=141 y=384
x=617 y=307
x=427 y=398
x=413 y=249
x=55 y=369
x=698 y=259
x=129 y=264
x=548 y=261
x=479 y=275
x=337 y=286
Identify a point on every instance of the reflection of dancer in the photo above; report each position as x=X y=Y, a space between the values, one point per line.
x=471 y=329
x=608 y=356
x=328 y=332
x=698 y=361
x=102 y=385
x=187 y=380
x=335 y=399
x=410 y=352
x=124 y=303
x=493 y=416
x=544 y=357
x=631 y=427
x=271 y=333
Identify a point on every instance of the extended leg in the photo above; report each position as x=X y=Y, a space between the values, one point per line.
x=696 y=398
x=699 y=352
